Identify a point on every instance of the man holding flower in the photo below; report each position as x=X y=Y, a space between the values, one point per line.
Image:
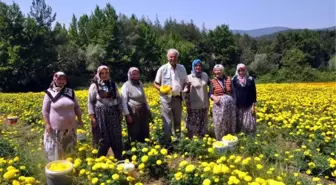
x=175 y=76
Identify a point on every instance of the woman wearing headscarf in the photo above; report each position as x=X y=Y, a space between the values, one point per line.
x=60 y=108
x=245 y=95
x=105 y=111
x=197 y=101
x=224 y=109
x=135 y=107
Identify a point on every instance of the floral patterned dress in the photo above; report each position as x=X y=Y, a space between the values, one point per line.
x=224 y=112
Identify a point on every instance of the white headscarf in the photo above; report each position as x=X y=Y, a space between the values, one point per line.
x=97 y=76
x=129 y=74
x=242 y=80
x=241 y=65
x=130 y=71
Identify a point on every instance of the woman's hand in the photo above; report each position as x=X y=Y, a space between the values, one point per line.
x=48 y=128
x=93 y=121
x=215 y=99
x=80 y=123
x=253 y=109
x=187 y=87
x=129 y=119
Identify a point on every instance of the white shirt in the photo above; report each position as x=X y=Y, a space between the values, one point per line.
x=176 y=85
x=175 y=77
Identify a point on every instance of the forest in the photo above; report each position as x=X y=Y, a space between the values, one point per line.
x=33 y=46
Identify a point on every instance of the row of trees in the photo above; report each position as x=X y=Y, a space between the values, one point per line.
x=33 y=46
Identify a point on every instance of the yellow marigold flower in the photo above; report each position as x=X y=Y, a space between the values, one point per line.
x=207 y=169
x=82 y=172
x=178 y=176
x=22 y=168
x=16 y=159
x=206 y=182
x=183 y=163
x=308 y=172
x=248 y=178
x=311 y=165
x=159 y=162
x=115 y=176
x=120 y=168
x=316 y=179
x=144 y=159
x=190 y=168
x=95 y=180
x=259 y=166
x=130 y=179
x=15 y=182
x=211 y=150
x=94 y=151
x=144 y=150
x=164 y=151
x=141 y=166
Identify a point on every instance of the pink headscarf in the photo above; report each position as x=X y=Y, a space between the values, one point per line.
x=53 y=84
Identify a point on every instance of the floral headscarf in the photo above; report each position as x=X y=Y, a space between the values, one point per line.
x=53 y=84
x=106 y=89
x=97 y=76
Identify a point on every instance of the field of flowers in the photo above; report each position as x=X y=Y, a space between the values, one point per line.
x=295 y=144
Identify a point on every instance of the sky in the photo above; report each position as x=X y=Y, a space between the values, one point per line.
x=238 y=14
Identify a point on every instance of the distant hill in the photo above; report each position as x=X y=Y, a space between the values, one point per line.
x=261 y=31
x=270 y=30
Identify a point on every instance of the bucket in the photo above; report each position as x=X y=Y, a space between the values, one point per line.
x=64 y=177
x=231 y=143
x=128 y=167
x=12 y=120
x=81 y=134
x=81 y=137
x=220 y=147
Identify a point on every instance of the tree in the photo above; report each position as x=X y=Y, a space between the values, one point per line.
x=294 y=59
x=332 y=63
x=187 y=50
x=42 y=13
x=222 y=47
x=261 y=65
x=94 y=55
x=73 y=30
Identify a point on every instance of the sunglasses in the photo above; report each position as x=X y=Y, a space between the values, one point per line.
x=241 y=70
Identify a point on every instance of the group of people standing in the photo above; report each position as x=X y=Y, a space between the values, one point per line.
x=233 y=108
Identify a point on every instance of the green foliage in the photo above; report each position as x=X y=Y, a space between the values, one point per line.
x=332 y=63
x=31 y=49
x=6 y=149
x=293 y=59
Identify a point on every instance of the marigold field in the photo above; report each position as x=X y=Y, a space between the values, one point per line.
x=295 y=144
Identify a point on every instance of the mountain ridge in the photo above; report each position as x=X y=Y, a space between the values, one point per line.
x=270 y=30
